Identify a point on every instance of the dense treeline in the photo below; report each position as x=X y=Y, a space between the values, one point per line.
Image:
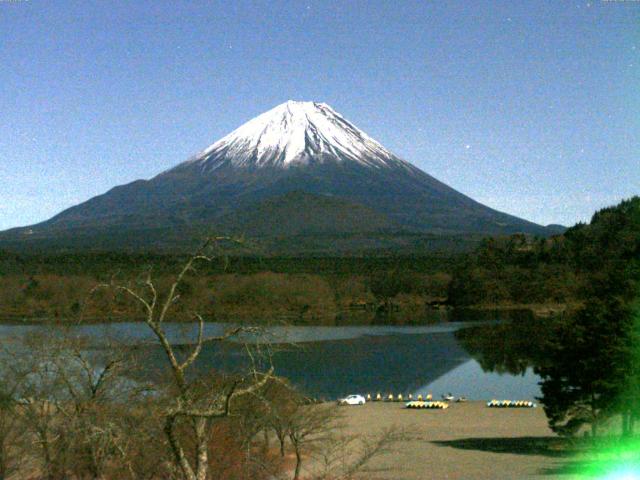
x=321 y=290
x=107 y=263
x=594 y=356
x=302 y=298
x=516 y=270
x=564 y=269
x=305 y=290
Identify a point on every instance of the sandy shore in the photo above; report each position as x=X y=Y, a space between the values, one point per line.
x=467 y=441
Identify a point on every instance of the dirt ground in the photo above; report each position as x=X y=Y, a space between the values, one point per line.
x=466 y=441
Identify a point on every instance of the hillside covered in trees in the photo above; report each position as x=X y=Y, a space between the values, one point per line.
x=564 y=269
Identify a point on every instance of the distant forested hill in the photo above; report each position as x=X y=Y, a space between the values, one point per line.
x=563 y=268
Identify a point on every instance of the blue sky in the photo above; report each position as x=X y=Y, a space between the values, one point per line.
x=531 y=107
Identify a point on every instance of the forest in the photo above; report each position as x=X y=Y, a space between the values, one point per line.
x=547 y=275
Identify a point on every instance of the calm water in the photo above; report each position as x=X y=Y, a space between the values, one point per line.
x=329 y=362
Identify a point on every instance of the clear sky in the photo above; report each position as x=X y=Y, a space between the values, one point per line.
x=531 y=107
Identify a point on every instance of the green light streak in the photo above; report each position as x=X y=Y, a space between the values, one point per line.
x=616 y=458
x=618 y=461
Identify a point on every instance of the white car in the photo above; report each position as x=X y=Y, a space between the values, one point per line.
x=352 y=400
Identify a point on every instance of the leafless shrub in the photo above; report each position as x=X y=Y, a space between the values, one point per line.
x=350 y=457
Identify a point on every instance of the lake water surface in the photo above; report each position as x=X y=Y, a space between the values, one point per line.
x=329 y=362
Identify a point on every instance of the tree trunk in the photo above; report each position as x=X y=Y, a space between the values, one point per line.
x=247 y=460
x=296 y=474
x=281 y=439
x=3 y=467
x=202 y=449
x=48 y=458
x=177 y=450
x=4 y=459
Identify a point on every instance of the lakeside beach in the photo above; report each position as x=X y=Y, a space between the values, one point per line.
x=466 y=441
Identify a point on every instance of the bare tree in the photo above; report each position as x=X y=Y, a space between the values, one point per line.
x=350 y=457
x=11 y=431
x=283 y=403
x=145 y=456
x=70 y=394
x=92 y=385
x=309 y=425
x=42 y=414
x=187 y=403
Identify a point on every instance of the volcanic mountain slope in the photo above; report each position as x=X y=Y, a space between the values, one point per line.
x=298 y=169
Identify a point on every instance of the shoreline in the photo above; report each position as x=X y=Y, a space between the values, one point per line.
x=343 y=318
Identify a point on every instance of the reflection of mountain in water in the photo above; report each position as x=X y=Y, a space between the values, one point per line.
x=395 y=363
x=472 y=381
x=392 y=363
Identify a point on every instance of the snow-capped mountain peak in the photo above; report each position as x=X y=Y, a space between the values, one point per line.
x=299 y=178
x=296 y=133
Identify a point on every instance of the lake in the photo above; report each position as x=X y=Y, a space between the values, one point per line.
x=330 y=362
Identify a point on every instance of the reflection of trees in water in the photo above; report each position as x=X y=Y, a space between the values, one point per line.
x=509 y=347
x=582 y=359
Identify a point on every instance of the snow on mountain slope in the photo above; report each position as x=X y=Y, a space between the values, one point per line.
x=296 y=133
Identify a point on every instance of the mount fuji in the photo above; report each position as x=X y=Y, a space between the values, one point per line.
x=298 y=178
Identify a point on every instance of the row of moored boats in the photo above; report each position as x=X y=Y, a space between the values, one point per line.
x=511 y=404
x=401 y=398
